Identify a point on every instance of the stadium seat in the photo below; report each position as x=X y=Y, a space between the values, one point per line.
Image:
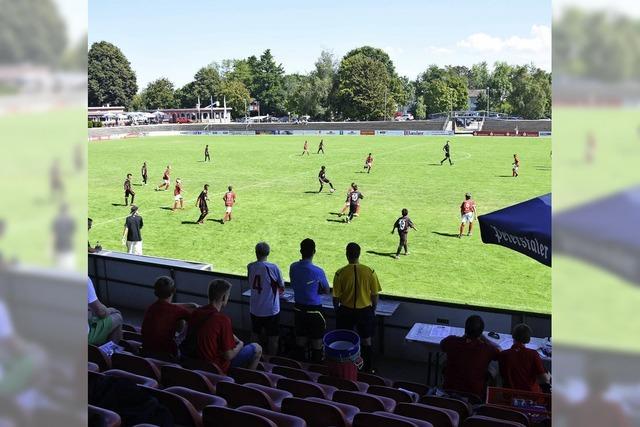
x=182 y=411
x=319 y=412
x=96 y=356
x=242 y=375
x=482 y=421
x=419 y=389
x=321 y=369
x=281 y=420
x=364 y=401
x=385 y=419
x=265 y=366
x=463 y=409
x=103 y=417
x=502 y=414
x=472 y=399
x=216 y=416
x=93 y=367
x=439 y=417
x=197 y=399
x=130 y=328
x=132 y=346
x=294 y=373
x=399 y=396
x=284 y=361
x=175 y=376
x=302 y=389
x=342 y=384
x=135 y=364
x=252 y=394
x=201 y=365
x=130 y=335
x=138 y=379
x=372 y=379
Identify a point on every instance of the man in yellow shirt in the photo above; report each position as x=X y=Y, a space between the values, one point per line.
x=355 y=296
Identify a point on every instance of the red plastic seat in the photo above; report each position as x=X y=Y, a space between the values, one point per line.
x=284 y=361
x=135 y=364
x=342 y=384
x=295 y=373
x=252 y=394
x=439 y=417
x=201 y=365
x=385 y=419
x=364 y=401
x=197 y=399
x=302 y=389
x=419 y=389
x=131 y=346
x=463 y=409
x=372 y=379
x=321 y=369
x=103 y=417
x=281 y=420
x=276 y=395
x=96 y=356
x=319 y=412
x=138 y=379
x=176 y=376
x=93 y=367
x=399 y=396
x=242 y=376
x=482 y=421
x=502 y=414
x=182 y=411
x=216 y=416
x=465 y=396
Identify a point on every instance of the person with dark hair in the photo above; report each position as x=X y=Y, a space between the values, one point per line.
x=355 y=296
x=229 y=200
x=166 y=179
x=521 y=367
x=132 y=237
x=207 y=157
x=354 y=202
x=403 y=224
x=145 y=173
x=201 y=202
x=346 y=201
x=305 y=148
x=322 y=178
x=212 y=335
x=321 y=147
x=467 y=214
x=515 y=166
x=128 y=191
x=447 y=154
x=178 y=198
x=266 y=284
x=308 y=282
x=164 y=321
x=468 y=358
x=368 y=163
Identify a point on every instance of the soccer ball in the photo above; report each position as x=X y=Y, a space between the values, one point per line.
x=332 y=190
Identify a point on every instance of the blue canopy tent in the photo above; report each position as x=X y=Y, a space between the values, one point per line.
x=525 y=227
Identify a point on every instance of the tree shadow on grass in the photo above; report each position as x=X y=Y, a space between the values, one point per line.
x=445 y=234
x=383 y=254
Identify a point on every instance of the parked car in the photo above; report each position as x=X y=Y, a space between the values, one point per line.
x=404 y=117
x=183 y=120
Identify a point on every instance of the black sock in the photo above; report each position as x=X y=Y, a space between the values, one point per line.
x=367 y=356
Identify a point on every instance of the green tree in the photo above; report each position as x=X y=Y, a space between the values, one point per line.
x=500 y=86
x=420 y=112
x=529 y=96
x=363 y=88
x=75 y=58
x=206 y=85
x=159 y=94
x=479 y=76
x=137 y=103
x=431 y=85
x=237 y=96
x=110 y=77
x=268 y=84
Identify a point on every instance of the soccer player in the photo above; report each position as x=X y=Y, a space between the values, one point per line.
x=305 y=148
x=403 y=224
x=354 y=202
x=321 y=147
x=467 y=214
x=368 y=163
x=229 y=200
x=144 y=173
x=516 y=166
x=177 y=195
x=207 y=157
x=346 y=202
x=447 y=154
x=322 y=177
x=128 y=191
x=166 y=179
x=201 y=202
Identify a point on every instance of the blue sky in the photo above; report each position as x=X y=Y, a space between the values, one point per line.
x=174 y=39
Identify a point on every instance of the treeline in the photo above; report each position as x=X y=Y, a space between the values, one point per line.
x=363 y=85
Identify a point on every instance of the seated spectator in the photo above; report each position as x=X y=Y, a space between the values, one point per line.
x=163 y=320
x=266 y=284
x=105 y=323
x=520 y=367
x=468 y=358
x=211 y=336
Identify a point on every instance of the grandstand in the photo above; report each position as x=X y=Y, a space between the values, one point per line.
x=502 y=126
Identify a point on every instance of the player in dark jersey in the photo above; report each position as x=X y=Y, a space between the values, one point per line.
x=403 y=224
x=207 y=157
x=516 y=166
x=322 y=177
x=144 y=173
x=321 y=147
x=346 y=202
x=128 y=191
x=305 y=148
x=447 y=154
x=354 y=202
x=368 y=162
x=201 y=202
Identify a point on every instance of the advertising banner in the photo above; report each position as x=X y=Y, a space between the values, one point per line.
x=390 y=132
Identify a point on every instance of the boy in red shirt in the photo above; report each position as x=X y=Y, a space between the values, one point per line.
x=229 y=200
x=521 y=367
x=305 y=148
x=516 y=166
x=177 y=195
x=467 y=214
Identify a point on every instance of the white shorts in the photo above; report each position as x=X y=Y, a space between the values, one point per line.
x=134 y=247
x=515 y=168
x=467 y=218
x=178 y=197
x=228 y=209
x=368 y=165
x=166 y=181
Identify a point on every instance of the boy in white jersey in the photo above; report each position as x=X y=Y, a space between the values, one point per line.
x=266 y=283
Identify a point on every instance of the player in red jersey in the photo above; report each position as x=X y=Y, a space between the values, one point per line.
x=128 y=191
x=516 y=166
x=229 y=200
x=368 y=163
x=305 y=148
x=177 y=195
x=467 y=214
x=166 y=179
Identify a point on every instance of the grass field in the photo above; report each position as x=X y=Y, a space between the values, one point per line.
x=278 y=203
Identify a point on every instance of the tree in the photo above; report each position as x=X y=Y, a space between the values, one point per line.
x=159 y=94
x=75 y=58
x=479 y=76
x=268 y=84
x=137 y=103
x=500 y=86
x=237 y=96
x=442 y=89
x=420 y=111
x=241 y=71
x=206 y=85
x=110 y=77
x=530 y=94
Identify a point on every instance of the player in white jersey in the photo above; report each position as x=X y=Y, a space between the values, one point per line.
x=266 y=283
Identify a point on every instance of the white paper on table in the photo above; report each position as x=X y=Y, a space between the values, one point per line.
x=440 y=331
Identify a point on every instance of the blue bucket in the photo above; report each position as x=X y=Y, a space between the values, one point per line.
x=341 y=345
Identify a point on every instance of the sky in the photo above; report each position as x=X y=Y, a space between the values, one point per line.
x=175 y=39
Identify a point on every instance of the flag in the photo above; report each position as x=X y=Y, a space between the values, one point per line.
x=198 y=106
x=225 y=107
x=211 y=104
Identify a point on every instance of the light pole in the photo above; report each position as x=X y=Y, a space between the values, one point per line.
x=385 y=104
x=488 y=101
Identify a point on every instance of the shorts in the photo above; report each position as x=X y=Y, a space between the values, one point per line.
x=128 y=193
x=323 y=180
x=134 y=247
x=515 y=168
x=166 y=181
x=228 y=209
x=244 y=357
x=467 y=218
x=363 y=319
x=271 y=324
x=178 y=197
x=309 y=321
x=368 y=165
x=403 y=238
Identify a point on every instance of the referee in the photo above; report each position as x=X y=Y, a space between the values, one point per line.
x=355 y=296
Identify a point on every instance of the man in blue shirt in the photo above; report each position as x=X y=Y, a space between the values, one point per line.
x=308 y=282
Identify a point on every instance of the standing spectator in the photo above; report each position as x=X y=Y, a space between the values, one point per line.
x=63 y=228
x=132 y=237
x=105 y=324
x=308 y=282
x=266 y=283
x=521 y=367
x=164 y=321
x=212 y=334
x=355 y=296
x=468 y=358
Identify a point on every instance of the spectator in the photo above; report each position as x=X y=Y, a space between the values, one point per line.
x=468 y=358
x=266 y=283
x=212 y=334
x=520 y=367
x=105 y=324
x=131 y=235
x=355 y=296
x=308 y=282
x=163 y=320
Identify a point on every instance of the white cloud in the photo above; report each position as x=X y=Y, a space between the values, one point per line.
x=437 y=50
x=538 y=42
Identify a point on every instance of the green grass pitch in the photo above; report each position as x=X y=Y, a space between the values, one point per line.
x=278 y=203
